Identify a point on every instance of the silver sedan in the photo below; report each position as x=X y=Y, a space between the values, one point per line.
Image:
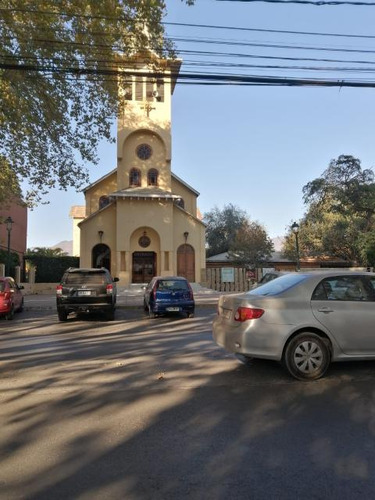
x=306 y=320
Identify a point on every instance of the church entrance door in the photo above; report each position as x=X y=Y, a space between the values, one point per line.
x=186 y=262
x=144 y=267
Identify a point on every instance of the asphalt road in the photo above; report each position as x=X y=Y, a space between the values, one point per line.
x=153 y=409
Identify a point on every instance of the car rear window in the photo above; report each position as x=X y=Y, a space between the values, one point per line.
x=89 y=278
x=172 y=285
x=2 y=286
x=278 y=285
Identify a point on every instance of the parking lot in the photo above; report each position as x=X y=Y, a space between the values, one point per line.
x=153 y=409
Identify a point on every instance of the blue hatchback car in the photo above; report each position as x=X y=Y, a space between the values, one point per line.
x=172 y=294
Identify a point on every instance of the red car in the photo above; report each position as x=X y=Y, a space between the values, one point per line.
x=11 y=298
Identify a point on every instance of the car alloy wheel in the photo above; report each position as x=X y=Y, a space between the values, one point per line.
x=307 y=356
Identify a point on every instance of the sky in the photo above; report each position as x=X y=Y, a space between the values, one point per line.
x=254 y=146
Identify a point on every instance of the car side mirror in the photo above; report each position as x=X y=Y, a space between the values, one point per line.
x=116 y=279
x=21 y=287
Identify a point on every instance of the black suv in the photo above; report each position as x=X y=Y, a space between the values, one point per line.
x=86 y=290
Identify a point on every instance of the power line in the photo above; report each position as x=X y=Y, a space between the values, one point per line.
x=203 y=41
x=284 y=58
x=272 y=45
x=264 y=30
x=201 y=78
x=319 y=3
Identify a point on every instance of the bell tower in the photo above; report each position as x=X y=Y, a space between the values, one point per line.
x=144 y=125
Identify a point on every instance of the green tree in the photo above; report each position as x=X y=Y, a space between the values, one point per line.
x=59 y=65
x=251 y=246
x=9 y=185
x=46 y=252
x=348 y=189
x=340 y=217
x=222 y=226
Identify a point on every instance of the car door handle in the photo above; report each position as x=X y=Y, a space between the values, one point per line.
x=325 y=310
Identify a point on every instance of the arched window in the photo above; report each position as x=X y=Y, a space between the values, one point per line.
x=135 y=177
x=103 y=202
x=180 y=202
x=152 y=177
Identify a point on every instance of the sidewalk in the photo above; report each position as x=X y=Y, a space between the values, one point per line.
x=130 y=296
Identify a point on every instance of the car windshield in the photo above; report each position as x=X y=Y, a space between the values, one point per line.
x=172 y=285
x=278 y=285
x=91 y=278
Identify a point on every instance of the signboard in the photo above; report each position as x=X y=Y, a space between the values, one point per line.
x=227 y=274
x=250 y=275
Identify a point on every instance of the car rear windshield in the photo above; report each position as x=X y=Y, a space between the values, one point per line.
x=87 y=278
x=2 y=286
x=172 y=285
x=278 y=285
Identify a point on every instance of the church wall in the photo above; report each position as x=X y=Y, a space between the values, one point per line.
x=184 y=223
x=130 y=160
x=134 y=217
x=190 y=199
x=141 y=113
x=104 y=221
x=103 y=188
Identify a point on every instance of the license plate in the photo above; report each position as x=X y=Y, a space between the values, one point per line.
x=84 y=292
x=172 y=309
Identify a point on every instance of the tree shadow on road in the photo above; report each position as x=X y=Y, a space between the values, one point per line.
x=155 y=410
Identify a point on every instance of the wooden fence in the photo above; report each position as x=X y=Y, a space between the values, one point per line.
x=240 y=284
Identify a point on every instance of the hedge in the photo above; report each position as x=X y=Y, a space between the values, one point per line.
x=14 y=260
x=50 y=269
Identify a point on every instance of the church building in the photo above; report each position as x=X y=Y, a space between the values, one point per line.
x=141 y=220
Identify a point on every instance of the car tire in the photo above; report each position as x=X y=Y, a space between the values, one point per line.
x=110 y=315
x=20 y=309
x=10 y=314
x=145 y=307
x=307 y=356
x=62 y=315
x=151 y=313
x=190 y=314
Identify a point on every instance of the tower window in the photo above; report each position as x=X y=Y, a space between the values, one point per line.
x=152 y=177
x=160 y=90
x=149 y=90
x=139 y=89
x=135 y=177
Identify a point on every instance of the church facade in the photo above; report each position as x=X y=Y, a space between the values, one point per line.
x=141 y=220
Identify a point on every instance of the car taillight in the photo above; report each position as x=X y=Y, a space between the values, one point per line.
x=59 y=290
x=246 y=313
x=154 y=292
x=109 y=289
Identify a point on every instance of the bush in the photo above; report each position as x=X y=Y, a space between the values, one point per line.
x=14 y=261
x=50 y=269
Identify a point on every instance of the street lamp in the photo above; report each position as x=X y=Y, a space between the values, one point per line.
x=9 y=223
x=295 y=229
